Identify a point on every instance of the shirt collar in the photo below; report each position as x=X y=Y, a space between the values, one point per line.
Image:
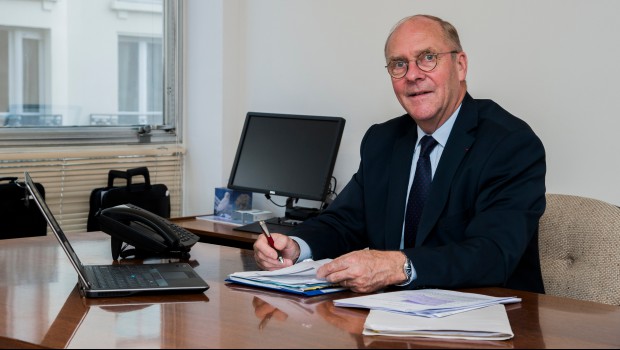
x=441 y=135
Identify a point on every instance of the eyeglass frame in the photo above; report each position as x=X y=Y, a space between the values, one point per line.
x=436 y=55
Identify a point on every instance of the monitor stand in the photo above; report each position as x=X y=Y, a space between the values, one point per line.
x=299 y=213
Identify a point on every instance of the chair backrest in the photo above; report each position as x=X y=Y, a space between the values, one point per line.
x=579 y=244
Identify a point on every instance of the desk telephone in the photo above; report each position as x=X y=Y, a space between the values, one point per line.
x=148 y=233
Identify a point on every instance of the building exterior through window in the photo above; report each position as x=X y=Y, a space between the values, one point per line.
x=66 y=63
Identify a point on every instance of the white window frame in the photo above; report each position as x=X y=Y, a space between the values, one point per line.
x=143 y=113
x=169 y=132
x=16 y=68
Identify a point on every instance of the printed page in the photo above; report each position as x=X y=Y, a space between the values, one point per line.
x=303 y=273
x=424 y=302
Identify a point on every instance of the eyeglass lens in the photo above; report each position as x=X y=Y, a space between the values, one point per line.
x=426 y=61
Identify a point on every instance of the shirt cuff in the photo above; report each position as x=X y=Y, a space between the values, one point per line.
x=304 y=249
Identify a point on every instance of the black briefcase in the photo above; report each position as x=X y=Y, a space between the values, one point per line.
x=152 y=197
x=19 y=214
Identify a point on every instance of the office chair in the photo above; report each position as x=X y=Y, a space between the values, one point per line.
x=579 y=247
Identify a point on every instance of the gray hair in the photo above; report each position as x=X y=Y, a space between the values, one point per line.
x=450 y=33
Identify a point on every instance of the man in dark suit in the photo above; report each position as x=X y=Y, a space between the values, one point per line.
x=479 y=223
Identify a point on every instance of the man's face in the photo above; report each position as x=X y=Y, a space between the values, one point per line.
x=429 y=97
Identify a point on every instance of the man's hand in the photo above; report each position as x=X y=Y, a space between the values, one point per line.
x=267 y=258
x=365 y=271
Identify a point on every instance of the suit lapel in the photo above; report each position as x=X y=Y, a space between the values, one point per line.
x=399 y=168
x=458 y=144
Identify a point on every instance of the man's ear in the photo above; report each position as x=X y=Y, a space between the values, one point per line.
x=461 y=61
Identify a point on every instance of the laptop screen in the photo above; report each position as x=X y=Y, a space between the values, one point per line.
x=47 y=213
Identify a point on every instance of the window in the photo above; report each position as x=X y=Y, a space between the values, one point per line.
x=140 y=84
x=22 y=78
x=89 y=72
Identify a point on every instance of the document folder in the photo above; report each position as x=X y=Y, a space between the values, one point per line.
x=297 y=279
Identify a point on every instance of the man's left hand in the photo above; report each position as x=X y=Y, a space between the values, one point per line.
x=365 y=271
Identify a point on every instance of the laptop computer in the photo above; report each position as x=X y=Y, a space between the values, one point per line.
x=121 y=279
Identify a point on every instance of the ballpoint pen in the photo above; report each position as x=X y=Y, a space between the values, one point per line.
x=270 y=240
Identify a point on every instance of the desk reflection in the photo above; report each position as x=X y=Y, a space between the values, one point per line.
x=134 y=321
x=273 y=309
x=265 y=312
x=348 y=319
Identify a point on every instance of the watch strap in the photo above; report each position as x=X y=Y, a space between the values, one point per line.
x=408 y=269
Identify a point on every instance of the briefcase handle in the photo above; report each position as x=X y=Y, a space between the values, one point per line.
x=128 y=175
x=9 y=179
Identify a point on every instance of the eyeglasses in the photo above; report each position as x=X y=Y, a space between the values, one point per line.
x=426 y=61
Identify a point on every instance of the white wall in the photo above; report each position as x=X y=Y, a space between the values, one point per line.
x=552 y=63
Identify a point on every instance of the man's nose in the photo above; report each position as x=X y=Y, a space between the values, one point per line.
x=414 y=72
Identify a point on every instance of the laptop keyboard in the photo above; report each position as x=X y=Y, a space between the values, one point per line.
x=127 y=276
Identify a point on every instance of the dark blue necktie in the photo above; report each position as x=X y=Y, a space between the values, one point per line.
x=419 y=190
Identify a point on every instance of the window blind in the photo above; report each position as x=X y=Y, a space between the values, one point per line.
x=69 y=176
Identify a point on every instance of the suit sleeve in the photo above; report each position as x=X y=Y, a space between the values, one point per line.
x=341 y=227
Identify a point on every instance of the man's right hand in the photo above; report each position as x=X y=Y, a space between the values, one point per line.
x=267 y=258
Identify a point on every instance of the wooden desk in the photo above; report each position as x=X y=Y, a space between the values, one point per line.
x=41 y=307
x=215 y=233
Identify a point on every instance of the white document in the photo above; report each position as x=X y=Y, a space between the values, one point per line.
x=424 y=302
x=301 y=273
x=299 y=278
x=488 y=323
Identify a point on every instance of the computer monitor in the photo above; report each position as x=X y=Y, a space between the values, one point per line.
x=287 y=155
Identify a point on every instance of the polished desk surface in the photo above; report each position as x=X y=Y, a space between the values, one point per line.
x=217 y=233
x=40 y=306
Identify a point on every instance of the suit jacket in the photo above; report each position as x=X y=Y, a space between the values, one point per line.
x=480 y=224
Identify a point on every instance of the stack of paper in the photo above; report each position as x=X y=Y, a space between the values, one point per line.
x=488 y=323
x=299 y=279
x=425 y=302
x=434 y=313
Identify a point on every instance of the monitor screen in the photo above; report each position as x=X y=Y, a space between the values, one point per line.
x=287 y=155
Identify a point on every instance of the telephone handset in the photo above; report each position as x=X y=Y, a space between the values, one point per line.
x=148 y=233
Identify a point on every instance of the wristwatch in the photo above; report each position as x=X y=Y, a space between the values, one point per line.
x=408 y=269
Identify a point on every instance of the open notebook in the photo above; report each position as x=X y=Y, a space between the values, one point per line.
x=121 y=279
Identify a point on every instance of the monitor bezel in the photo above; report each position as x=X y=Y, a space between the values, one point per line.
x=339 y=124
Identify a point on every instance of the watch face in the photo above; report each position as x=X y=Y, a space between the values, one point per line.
x=408 y=268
